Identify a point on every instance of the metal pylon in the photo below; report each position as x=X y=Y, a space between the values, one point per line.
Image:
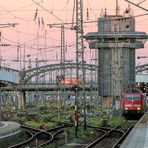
x=62 y=88
x=80 y=72
x=62 y=50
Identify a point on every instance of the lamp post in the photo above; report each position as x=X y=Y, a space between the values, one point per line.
x=58 y=82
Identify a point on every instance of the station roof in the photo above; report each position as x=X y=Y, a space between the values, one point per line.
x=7 y=78
x=142 y=78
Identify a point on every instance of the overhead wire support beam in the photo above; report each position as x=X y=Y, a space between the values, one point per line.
x=138 y=4
x=141 y=2
x=50 y=12
x=8 y=25
x=87 y=22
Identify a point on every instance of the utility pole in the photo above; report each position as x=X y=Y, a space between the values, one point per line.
x=62 y=62
x=62 y=50
x=62 y=65
x=80 y=72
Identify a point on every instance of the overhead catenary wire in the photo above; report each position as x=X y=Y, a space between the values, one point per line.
x=12 y=13
x=85 y=22
x=95 y=21
x=91 y=9
x=138 y=4
x=53 y=41
x=50 y=12
x=51 y=47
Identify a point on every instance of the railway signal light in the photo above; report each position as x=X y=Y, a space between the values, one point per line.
x=59 y=79
x=75 y=88
x=143 y=87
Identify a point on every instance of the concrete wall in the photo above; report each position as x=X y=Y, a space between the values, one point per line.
x=116 y=62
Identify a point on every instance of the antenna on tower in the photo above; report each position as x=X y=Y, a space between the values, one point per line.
x=105 y=13
x=117 y=8
x=128 y=10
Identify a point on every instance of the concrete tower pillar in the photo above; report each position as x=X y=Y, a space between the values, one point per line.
x=21 y=100
x=116 y=41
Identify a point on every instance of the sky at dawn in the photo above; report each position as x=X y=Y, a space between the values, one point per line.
x=31 y=38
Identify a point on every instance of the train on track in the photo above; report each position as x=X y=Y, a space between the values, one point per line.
x=133 y=103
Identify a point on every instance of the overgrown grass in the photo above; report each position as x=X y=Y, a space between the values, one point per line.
x=61 y=120
x=81 y=133
x=37 y=124
x=114 y=121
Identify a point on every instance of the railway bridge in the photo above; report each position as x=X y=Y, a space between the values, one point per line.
x=44 y=79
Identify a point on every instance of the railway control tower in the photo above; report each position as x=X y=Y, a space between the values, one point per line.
x=116 y=41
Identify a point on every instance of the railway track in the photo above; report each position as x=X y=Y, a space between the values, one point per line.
x=38 y=137
x=112 y=138
x=105 y=137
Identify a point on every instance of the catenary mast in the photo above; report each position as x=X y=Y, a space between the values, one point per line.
x=80 y=72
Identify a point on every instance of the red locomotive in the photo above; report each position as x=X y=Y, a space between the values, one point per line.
x=133 y=103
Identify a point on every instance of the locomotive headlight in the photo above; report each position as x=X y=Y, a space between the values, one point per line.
x=126 y=108
x=138 y=108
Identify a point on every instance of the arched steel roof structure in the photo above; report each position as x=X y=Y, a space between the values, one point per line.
x=141 y=68
x=26 y=75
x=8 y=77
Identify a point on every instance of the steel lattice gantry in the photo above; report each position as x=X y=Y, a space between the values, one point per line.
x=62 y=50
x=141 y=68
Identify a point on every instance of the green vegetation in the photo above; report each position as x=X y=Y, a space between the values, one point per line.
x=37 y=124
x=48 y=117
x=82 y=137
x=33 y=123
x=115 y=121
x=112 y=122
x=61 y=120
